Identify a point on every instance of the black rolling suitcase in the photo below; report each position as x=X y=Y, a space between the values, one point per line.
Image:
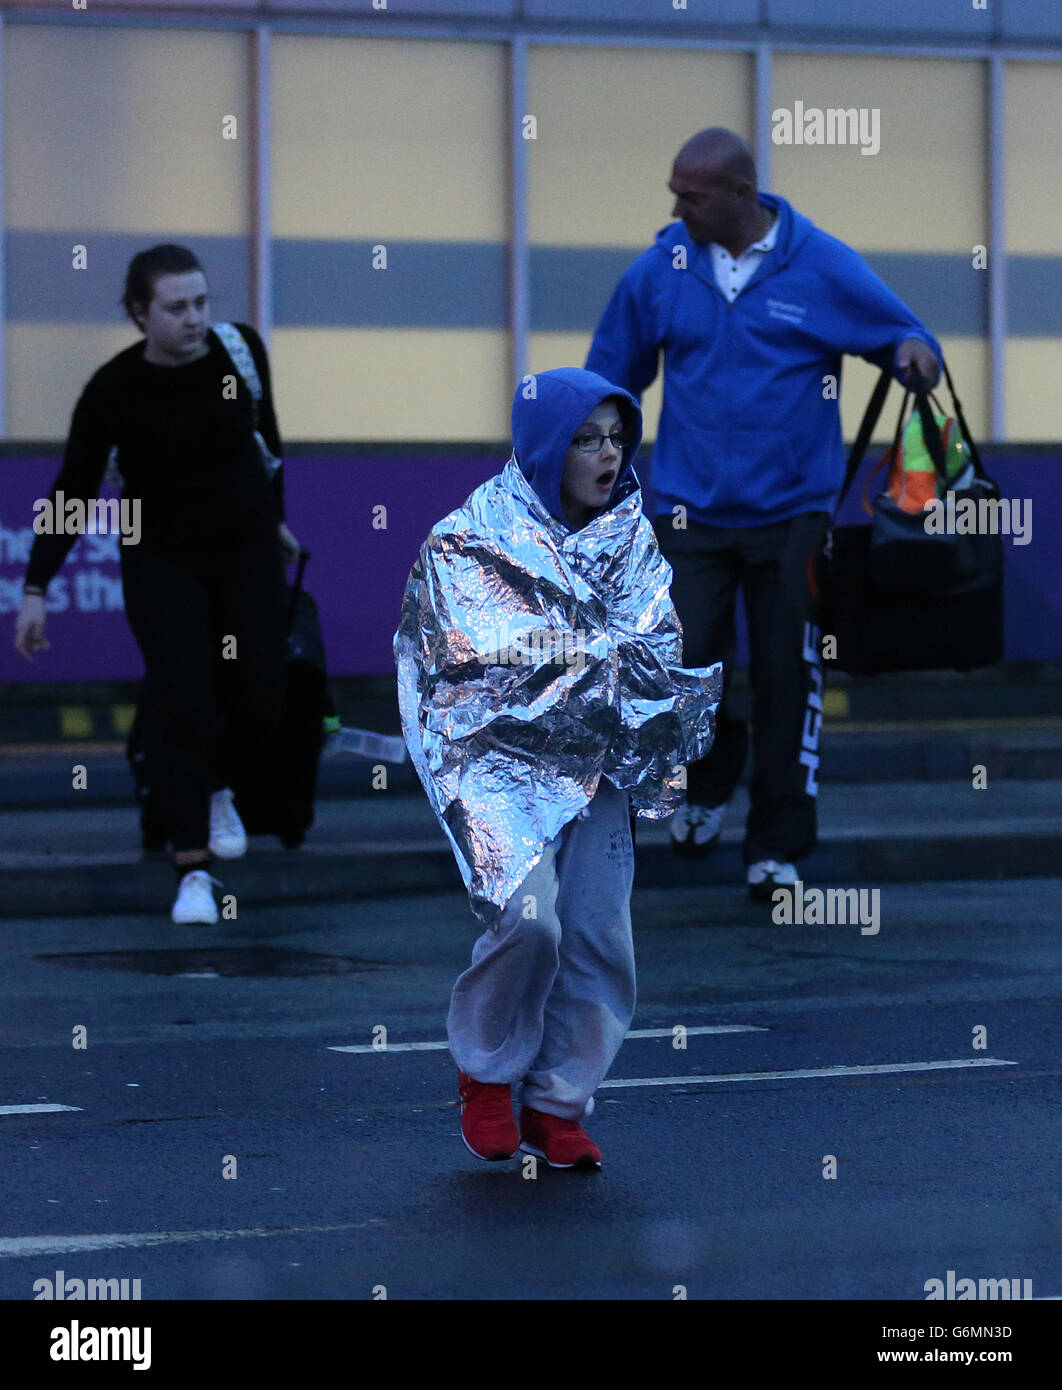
x=276 y=798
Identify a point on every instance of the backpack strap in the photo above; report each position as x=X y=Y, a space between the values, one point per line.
x=235 y=344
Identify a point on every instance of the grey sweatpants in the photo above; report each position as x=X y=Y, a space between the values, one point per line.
x=550 y=993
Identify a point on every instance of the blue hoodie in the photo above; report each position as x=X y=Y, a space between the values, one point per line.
x=548 y=408
x=749 y=433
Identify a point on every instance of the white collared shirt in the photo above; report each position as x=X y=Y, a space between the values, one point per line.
x=732 y=276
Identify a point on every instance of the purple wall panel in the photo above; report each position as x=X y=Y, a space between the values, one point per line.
x=358 y=572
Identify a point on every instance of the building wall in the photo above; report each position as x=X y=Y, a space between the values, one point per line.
x=125 y=151
x=398 y=144
x=403 y=143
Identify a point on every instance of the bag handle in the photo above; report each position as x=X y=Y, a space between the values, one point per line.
x=890 y=454
x=866 y=428
x=975 y=457
x=930 y=428
x=931 y=434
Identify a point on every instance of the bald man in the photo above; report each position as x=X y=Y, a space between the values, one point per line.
x=754 y=308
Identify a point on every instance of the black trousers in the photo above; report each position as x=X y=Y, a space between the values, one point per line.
x=211 y=629
x=769 y=563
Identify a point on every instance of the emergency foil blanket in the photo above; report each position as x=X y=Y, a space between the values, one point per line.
x=533 y=660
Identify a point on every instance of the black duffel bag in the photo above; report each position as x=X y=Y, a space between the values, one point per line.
x=896 y=595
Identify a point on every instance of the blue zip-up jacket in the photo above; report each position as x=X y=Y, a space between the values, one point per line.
x=750 y=432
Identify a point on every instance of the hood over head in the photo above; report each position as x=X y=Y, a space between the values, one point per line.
x=544 y=424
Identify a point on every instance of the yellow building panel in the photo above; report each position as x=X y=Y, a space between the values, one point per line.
x=111 y=129
x=609 y=123
x=1033 y=130
x=399 y=384
x=328 y=383
x=1034 y=406
x=389 y=138
x=48 y=365
x=549 y=350
x=924 y=189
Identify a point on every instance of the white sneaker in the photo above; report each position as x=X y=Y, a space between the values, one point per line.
x=696 y=829
x=768 y=874
x=228 y=839
x=195 y=900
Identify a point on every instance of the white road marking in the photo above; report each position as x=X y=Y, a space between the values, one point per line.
x=697 y=1032
x=33 y=1109
x=17 y=1247
x=880 y=1069
x=635 y=1033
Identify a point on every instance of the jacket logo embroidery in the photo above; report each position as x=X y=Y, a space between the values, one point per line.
x=792 y=313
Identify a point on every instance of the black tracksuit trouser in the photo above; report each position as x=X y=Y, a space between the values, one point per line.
x=769 y=563
x=213 y=704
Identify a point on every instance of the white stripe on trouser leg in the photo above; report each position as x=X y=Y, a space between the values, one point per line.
x=548 y=998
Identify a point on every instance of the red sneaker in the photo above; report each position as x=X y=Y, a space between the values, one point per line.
x=562 y=1143
x=487 y=1125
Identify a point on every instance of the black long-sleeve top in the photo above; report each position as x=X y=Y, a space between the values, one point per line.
x=186 y=449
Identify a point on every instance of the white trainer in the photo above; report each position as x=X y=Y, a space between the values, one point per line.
x=228 y=839
x=768 y=874
x=696 y=829
x=195 y=900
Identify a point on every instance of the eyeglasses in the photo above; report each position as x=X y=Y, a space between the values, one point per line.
x=594 y=443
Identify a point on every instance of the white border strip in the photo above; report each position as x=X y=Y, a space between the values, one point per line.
x=879 y=1070
x=695 y=1032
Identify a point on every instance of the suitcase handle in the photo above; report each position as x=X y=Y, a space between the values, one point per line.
x=296 y=588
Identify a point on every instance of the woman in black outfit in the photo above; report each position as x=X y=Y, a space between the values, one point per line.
x=204 y=588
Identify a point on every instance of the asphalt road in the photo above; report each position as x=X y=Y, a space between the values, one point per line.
x=349 y=1173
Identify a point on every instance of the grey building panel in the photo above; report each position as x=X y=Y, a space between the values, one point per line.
x=43 y=287
x=944 y=290
x=321 y=284
x=1034 y=296
x=571 y=286
x=426 y=284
